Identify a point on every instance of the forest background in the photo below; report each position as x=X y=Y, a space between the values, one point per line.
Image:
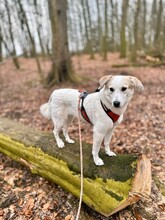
x=50 y=44
x=58 y=29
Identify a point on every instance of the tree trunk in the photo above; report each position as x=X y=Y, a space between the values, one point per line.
x=99 y=21
x=136 y=32
x=38 y=19
x=1 y=41
x=14 y=55
x=158 y=26
x=61 y=63
x=88 y=28
x=144 y=20
x=123 y=44
x=112 y=21
x=122 y=181
x=105 y=37
x=34 y=52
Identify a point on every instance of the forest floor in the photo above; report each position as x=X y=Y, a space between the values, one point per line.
x=24 y=195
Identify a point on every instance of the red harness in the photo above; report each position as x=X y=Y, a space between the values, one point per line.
x=83 y=95
x=111 y=114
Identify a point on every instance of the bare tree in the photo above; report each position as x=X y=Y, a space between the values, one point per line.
x=158 y=25
x=105 y=37
x=123 y=43
x=15 y=59
x=112 y=46
x=88 y=28
x=61 y=63
x=136 y=31
x=144 y=22
x=99 y=21
x=34 y=52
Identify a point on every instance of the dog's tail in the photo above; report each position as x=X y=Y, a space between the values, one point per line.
x=45 y=110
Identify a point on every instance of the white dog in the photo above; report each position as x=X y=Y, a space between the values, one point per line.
x=103 y=109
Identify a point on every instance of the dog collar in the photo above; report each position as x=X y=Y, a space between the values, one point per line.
x=111 y=114
x=83 y=95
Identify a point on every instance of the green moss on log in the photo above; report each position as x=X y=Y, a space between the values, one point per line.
x=109 y=194
x=106 y=189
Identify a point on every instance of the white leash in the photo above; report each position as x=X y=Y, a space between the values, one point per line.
x=81 y=162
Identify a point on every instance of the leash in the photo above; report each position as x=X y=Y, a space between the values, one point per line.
x=81 y=160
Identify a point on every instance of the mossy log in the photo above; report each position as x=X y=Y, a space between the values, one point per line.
x=122 y=181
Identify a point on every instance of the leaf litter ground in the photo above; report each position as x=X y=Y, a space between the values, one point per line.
x=27 y=196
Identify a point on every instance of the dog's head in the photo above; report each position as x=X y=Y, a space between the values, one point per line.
x=118 y=90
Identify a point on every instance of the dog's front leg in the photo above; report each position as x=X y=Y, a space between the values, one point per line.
x=107 y=140
x=97 y=140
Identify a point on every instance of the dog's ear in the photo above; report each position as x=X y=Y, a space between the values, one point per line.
x=136 y=84
x=103 y=80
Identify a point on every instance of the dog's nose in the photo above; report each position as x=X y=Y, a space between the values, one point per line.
x=116 y=104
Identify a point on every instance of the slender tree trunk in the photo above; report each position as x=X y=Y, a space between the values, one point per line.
x=90 y=29
x=61 y=63
x=158 y=26
x=14 y=55
x=1 y=42
x=143 y=43
x=163 y=35
x=99 y=21
x=39 y=26
x=136 y=32
x=117 y=26
x=152 y=23
x=25 y=21
x=86 y=26
x=105 y=37
x=112 y=26
x=123 y=43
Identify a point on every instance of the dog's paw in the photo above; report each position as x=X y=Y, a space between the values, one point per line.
x=110 y=153
x=70 y=141
x=99 y=162
x=60 y=144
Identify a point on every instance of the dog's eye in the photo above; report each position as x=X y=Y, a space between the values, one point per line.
x=112 y=89
x=123 y=89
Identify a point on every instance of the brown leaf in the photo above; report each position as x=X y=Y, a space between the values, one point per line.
x=137 y=215
x=30 y=203
x=69 y=217
x=46 y=206
x=1 y=212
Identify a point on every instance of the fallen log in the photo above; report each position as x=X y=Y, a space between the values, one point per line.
x=122 y=181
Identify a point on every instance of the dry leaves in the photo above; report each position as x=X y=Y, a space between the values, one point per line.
x=26 y=196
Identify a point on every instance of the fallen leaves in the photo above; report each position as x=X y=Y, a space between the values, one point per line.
x=26 y=196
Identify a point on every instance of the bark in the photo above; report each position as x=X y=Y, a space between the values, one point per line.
x=136 y=32
x=112 y=46
x=99 y=21
x=14 y=55
x=105 y=37
x=88 y=28
x=1 y=41
x=122 y=181
x=158 y=26
x=34 y=51
x=144 y=23
x=61 y=64
x=123 y=43
x=38 y=19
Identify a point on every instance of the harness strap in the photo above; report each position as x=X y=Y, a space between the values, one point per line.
x=111 y=114
x=83 y=95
